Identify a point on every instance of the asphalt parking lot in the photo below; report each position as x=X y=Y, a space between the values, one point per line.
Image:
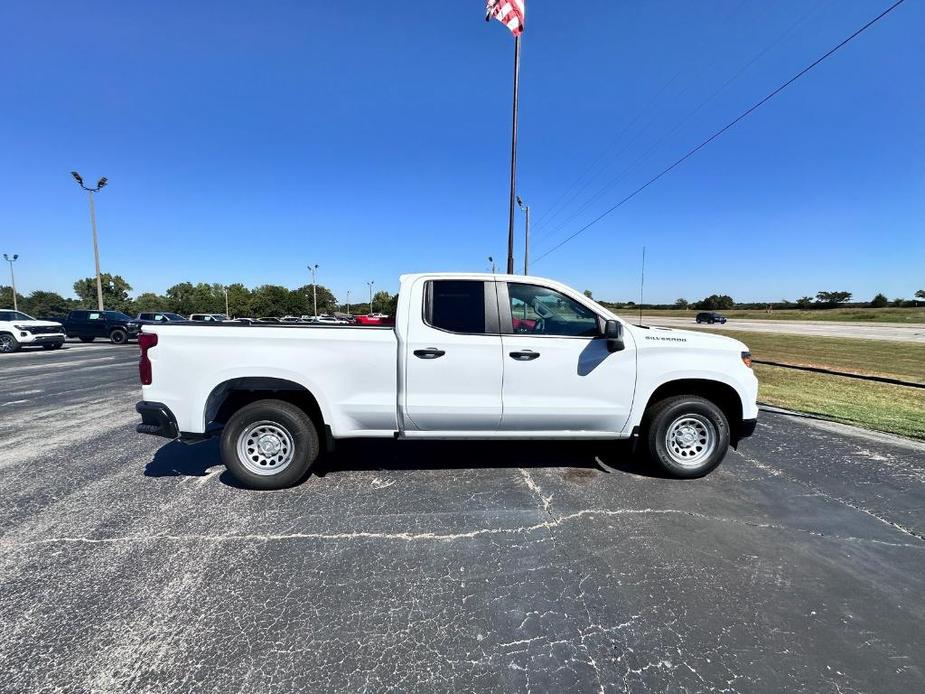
x=133 y=564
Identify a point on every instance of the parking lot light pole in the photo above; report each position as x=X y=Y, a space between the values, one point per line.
x=227 y=313
x=348 y=302
x=370 y=285
x=96 y=248
x=12 y=277
x=314 y=269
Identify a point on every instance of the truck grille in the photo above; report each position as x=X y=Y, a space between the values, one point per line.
x=46 y=329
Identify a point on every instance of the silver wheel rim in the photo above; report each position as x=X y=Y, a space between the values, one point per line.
x=265 y=448
x=7 y=343
x=690 y=440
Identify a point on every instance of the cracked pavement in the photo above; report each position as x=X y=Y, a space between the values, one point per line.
x=133 y=564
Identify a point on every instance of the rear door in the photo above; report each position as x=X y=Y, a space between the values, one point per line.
x=452 y=357
x=558 y=374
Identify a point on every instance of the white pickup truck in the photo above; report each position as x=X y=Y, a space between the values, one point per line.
x=471 y=356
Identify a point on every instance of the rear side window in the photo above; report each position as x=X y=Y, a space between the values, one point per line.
x=456 y=305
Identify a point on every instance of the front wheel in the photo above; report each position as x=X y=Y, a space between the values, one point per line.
x=269 y=444
x=118 y=336
x=687 y=435
x=8 y=343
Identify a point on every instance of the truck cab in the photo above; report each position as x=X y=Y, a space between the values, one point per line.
x=469 y=356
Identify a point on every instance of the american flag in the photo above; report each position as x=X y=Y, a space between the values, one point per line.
x=508 y=12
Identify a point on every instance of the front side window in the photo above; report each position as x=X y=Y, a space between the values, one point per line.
x=542 y=311
x=94 y=316
x=457 y=305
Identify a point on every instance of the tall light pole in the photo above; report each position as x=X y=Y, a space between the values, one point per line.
x=526 y=209
x=314 y=269
x=96 y=248
x=12 y=277
x=370 y=285
x=227 y=313
x=348 y=302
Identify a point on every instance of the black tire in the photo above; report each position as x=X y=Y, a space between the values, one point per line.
x=8 y=343
x=118 y=336
x=84 y=338
x=53 y=345
x=276 y=414
x=706 y=425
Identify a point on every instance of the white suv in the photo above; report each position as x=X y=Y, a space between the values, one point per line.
x=18 y=329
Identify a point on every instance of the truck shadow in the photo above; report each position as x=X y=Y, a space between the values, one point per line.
x=176 y=459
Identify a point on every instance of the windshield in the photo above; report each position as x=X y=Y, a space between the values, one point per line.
x=14 y=315
x=174 y=316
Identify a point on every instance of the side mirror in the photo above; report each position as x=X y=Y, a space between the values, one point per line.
x=613 y=331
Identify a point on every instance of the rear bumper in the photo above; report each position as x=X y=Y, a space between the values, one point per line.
x=156 y=419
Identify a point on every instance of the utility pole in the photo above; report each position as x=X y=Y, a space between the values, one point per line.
x=96 y=248
x=370 y=284
x=227 y=312
x=314 y=269
x=12 y=277
x=348 y=302
x=526 y=209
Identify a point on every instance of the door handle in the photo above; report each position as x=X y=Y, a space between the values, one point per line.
x=429 y=353
x=525 y=355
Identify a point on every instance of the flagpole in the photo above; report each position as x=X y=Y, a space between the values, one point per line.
x=510 y=227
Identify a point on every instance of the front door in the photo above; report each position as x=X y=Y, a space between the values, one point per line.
x=558 y=374
x=452 y=357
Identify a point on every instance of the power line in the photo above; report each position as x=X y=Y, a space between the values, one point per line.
x=722 y=130
x=603 y=189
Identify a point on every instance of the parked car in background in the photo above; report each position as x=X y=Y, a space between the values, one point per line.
x=290 y=319
x=18 y=329
x=456 y=366
x=244 y=320
x=268 y=319
x=209 y=317
x=710 y=317
x=115 y=326
x=373 y=319
x=160 y=317
x=326 y=319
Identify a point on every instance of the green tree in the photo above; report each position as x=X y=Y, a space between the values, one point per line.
x=187 y=298
x=43 y=304
x=832 y=298
x=805 y=301
x=115 y=292
x=681 y=303
x=879 y=301
x=239 y=300
x=716 y=302
x=588 y=294
x=302 y=304
x=149 y=301
x=6 y=297
x=382 y=301
x=920 y=294
x=271 y=300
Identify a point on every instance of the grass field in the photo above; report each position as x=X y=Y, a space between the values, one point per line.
x=878 y=406
x=862 y=315
x=902 y=360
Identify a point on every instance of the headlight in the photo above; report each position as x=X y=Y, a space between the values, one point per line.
x=23 y=327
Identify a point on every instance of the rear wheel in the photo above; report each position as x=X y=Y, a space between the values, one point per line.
x=118 y=336
x=8 y=343
x=687 y=435
x=84 y=338
x=269 y=444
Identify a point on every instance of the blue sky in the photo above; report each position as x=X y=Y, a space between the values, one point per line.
x=245 y=140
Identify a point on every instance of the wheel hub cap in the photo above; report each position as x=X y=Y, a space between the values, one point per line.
x=265 y=448
x=690 y=440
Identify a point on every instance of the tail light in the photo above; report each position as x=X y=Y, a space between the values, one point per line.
x=146 y=341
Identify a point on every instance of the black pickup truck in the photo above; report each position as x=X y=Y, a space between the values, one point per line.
x=114 y=326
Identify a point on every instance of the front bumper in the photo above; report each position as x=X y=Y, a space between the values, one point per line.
x=156 y=419
x=27 y=338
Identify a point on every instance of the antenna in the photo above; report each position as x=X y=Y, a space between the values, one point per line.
x=642 y=283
